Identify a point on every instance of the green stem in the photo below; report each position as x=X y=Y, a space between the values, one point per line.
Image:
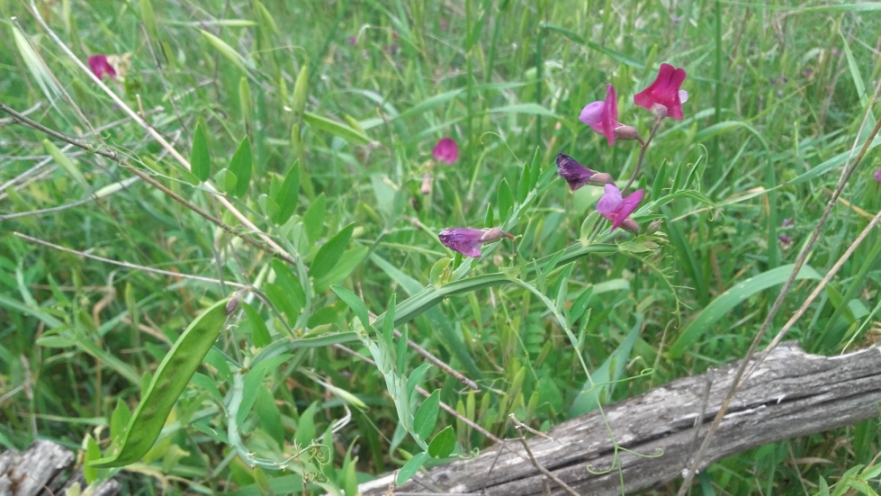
x=642 y=154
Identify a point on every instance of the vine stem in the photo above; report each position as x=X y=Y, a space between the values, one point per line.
x=158 y=137
x=692 y=468
x=642 y=150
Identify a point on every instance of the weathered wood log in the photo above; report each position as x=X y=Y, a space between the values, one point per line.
x=44 y=469
x=790 y=394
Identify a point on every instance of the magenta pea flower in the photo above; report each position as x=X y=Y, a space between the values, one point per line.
x=446 y=150
x=877 y=175
x=578 y=175
x=100 y=66
x=602 y=117
x=468 y=241
x=617 y=210
x=663 y=96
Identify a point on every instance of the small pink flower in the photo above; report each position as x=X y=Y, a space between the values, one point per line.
x=353 y=40
x=602 y=117
x=100 y=66
x=663 y=96
x=468 y=241
x=446 y=150
x=877 y=175
x=578 y=175
x=617 y=210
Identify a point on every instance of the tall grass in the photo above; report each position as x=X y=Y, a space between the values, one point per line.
x=339 y=105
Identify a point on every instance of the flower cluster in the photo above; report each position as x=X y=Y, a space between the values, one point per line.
x=663 y=98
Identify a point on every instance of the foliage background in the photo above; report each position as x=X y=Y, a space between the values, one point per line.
x=778 y=92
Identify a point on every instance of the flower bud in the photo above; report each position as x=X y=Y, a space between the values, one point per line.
x=426 y=184
x=627 y=133
x=630 y=225
x=654 y=226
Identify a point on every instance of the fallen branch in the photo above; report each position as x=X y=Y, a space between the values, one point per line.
x=790 y=394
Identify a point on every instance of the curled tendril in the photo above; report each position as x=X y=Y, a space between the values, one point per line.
x=659 y=452
x=320 y=453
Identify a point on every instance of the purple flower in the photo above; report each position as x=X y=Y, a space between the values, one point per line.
x=446 y=150
x=787 y=223
x=835 y=52
x=785 y=239
x=617 y=210
x=100 y=66
x=663 y=97
x=602 y=117
x=578 y=175
x=352 y=40
x=877 y=175
x=467 y=241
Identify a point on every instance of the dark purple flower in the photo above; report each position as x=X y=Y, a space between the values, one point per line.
x=772 y=80
x=468 y=241
x=663 y=96
x=100 y=66
x=617 y=210
x=578 y=175
x=446 y=150
x=808 y=73
x=785 y=239
x=877 y=175
x=784 y=79
x=393 y=48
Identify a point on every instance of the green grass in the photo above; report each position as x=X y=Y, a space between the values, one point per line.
x=777 y=95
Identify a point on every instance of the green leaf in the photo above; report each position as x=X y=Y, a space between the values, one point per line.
x=354 y=302
x=306 y=426
x=240 y=165
x=348 y=263
x=288 y=195
x=119 y=420
x=597 y=389
x=314 y=218
x=336 y=128
x=726 y=301
x=253 y=380
x=289 y=283
x=410 y=468
x=259 y=332
x=200 y=159
x=301 y=88
x=443 y=444
x=522 y=108
x=227 y=51
x=282 y=301
x=426 y=416
x=167 y=385
x=93 y=452
x=505 y=200
x=225 y=181
x=329 y=253
x=66 y=164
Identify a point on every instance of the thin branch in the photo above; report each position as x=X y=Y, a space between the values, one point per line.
x=156 y=184
x=550 y=475
x=126 y=264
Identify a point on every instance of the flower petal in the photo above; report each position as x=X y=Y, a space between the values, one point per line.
x=463 y=240
x=573 y=172
x=628 y=206
x=592 y=115
x=664 y=91
x=610 y=115
x=610 y=201
x=100 y=66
